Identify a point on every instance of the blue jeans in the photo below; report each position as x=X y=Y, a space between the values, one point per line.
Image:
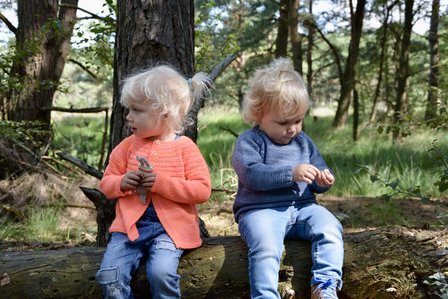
x=122 y=258
x=264 y=231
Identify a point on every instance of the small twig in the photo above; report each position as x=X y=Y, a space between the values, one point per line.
x=230 y=131
x=223 y=190
x=62 y=164
x=70 y=205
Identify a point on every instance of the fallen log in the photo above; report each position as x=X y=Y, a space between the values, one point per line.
x=216 y=270
x=384 y=263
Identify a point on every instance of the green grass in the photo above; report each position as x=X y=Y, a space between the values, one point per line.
x=409 y=164
x=43 y=224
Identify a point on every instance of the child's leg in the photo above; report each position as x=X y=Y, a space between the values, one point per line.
x=161 y=268
x=120 y=260
x=263 y=231
x=317 y=224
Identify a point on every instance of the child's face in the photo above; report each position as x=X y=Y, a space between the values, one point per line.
x=145 y=122
x=279 y=128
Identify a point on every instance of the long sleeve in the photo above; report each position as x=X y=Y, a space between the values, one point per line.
x=110 y=184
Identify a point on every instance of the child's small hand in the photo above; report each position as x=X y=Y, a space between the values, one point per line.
x=148 y=177
x=130 y=180
x=305 y=173
x=325 y=178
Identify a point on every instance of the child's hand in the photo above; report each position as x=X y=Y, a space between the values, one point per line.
x=130 y=180
x=325 y=178
x=305 y=173
x=148 y=177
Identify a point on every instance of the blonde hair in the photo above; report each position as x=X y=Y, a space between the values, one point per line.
x=276 y=86
x=166 y=91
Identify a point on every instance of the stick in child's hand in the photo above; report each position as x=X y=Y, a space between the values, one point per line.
x=145 y=164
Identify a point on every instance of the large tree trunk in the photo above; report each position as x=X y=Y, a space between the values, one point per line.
x=43 y=43
x=434 y=60
x=150 y=32
x=402 y=75
x=379 y=263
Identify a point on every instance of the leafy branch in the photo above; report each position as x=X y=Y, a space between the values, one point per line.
x=393 y=185
x=442 y=183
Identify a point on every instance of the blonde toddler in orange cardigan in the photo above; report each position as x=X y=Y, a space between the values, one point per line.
x=156 y=216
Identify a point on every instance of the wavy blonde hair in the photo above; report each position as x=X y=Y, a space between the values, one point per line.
x=166 y=91
x=276 y=86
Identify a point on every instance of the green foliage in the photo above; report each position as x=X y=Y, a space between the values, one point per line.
x=79 y=136
x=437 y=124
x=22 y=132
x=212 y=44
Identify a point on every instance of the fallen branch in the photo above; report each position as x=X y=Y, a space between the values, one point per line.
x=381 y=263
x=81 y=164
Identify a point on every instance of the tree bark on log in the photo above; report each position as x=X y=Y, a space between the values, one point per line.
x=218 y=269
x=381 y=263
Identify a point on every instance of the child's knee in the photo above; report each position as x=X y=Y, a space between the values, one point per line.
x=109 y=280
x=107 y=275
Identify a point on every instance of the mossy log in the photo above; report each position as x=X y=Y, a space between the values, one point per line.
x=379 y=263
x=216 y=270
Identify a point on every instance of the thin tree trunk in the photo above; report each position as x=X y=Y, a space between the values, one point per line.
x=355 y=114
x=281 y=43
x=383 y=46
x=434 y=60
x=309 y=53
x=294 y=36
x=348 y=79
x=402 y=75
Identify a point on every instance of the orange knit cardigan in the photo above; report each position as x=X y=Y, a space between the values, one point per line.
x=183 y=180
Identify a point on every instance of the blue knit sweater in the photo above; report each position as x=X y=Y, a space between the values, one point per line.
x=265 y=171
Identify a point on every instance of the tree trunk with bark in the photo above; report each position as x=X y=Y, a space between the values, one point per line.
x=150 y=33
x=347 y=81
x=382 y=263
x=281 y=43
x=43 y=43
x=42 y=46
x=383 y=55
x=402 y=74
x=294 y=35
x=434 y=60
x=309 y=53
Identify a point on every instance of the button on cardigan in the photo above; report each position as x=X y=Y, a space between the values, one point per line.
x=182 y=180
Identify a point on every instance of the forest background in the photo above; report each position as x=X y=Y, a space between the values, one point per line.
x=377 y=80
x=376 y=72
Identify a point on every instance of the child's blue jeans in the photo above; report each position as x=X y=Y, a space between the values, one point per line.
x=264 y=231
x=122 y=258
